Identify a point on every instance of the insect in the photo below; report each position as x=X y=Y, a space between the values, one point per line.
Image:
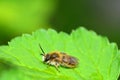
x=57 y=59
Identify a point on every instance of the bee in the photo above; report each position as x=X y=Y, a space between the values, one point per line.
x=57 y=59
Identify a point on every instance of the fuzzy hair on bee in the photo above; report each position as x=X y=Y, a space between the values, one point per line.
x=57 y=59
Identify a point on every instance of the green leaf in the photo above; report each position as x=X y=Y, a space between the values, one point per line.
x=98 y=58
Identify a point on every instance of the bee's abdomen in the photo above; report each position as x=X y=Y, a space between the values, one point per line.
x=64 y=59
x=69 y=61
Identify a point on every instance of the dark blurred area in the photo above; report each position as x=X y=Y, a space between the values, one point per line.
x=26 y=16
x=102 y=16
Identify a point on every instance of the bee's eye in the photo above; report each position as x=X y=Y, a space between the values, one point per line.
x=47 y=57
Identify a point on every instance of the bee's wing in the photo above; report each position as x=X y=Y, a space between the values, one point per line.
x=73 y=60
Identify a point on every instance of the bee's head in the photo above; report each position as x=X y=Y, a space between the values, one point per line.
x=45 y=57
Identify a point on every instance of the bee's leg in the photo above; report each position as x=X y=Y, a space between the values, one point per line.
x=56 y=66
x=48 y=64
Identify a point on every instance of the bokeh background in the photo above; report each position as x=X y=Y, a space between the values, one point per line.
x=25 y=16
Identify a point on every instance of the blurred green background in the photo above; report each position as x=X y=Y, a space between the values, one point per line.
x=25 y=16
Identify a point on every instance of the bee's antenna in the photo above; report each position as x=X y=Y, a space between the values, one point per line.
x=43 y=53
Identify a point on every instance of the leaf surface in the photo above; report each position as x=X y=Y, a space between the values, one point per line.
x=98 y=58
